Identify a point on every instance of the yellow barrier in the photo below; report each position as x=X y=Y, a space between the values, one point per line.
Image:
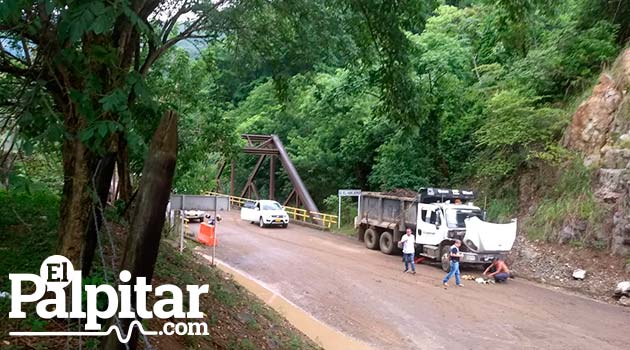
x=327 y=220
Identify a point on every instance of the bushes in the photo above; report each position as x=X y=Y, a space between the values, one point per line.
x=570 y=202
x=28 y=231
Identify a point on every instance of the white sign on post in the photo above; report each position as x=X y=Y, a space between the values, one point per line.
x=347 y=193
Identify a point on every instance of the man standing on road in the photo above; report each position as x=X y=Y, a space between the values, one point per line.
x=408 y=242
x=454 y=255
x=501 y=272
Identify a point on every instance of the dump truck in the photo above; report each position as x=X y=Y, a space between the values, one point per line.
x=437 y=217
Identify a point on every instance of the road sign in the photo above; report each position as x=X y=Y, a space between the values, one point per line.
x=349 y=193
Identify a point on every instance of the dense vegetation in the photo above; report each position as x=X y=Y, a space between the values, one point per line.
x=459 y=93
x=494 y=85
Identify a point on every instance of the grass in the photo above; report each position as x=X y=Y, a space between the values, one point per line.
x=570 y=199
x=28 y=232
x=501 y=209
x=345 y=230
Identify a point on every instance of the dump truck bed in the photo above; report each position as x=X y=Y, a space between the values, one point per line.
x=378 y=209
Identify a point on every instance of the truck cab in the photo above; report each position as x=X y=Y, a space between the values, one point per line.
x=437 y=221
x=443 y=217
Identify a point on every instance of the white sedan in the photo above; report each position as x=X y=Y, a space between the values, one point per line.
x=194 y=215
x=265 y=213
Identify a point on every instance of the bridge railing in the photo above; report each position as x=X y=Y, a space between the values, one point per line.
x=299 y=214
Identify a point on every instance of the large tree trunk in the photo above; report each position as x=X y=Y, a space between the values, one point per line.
x=143 y=240
x=76 y=203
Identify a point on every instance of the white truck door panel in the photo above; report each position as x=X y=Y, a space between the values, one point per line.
x=427 y=219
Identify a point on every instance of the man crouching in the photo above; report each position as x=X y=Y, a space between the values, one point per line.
x=501 y=272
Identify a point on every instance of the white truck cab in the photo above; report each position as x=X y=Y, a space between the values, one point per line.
x=265 y=213
x=445 y=222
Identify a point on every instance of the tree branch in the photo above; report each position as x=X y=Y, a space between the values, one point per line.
x=27 y=54
x=8 y=67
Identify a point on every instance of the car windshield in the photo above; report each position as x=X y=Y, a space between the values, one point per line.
x=455 y=217
x=271 y=206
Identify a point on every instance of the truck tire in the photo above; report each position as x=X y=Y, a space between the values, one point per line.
x=371 y=238
x=445 y=258
x=386 y=243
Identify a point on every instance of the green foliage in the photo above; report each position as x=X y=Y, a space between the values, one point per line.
x=570 y=200
x=402 y=164
x=37 y=172
x=501 y=209
x=28 y=231
x=514 y=130
x=348 y=208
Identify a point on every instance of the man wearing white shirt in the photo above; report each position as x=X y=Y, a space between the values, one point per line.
x=408 y=243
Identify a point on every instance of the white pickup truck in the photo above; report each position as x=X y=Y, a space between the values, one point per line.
x=265 y=213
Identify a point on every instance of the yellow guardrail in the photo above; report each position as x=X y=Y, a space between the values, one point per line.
x=327 y=220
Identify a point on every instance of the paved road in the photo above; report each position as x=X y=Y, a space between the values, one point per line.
x=365 y=294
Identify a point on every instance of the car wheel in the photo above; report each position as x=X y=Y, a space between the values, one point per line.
x=371 y=239
x=445 y=258
x=261 y=223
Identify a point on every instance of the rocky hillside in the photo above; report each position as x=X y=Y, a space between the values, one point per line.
x=600 y=130
x=599 y=242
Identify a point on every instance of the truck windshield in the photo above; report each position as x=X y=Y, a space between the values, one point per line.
x=455 y=217
x=271 y=206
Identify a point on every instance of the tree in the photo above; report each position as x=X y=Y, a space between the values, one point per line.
x=90 y=58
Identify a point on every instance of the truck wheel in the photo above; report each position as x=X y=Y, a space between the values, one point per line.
x=446 y=259
x=387 y=243
x=371 y=239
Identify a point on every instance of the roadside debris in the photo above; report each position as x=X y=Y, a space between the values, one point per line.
x=623 y=289
x=482 y=280
x=579 y=274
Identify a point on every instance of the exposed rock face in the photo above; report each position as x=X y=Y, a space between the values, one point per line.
x=600 y=130
x=592 y=121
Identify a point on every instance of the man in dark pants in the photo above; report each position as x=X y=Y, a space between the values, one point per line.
x=501 y=272
x=454 y=255
x=408 y=243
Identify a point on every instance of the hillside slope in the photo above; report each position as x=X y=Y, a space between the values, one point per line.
x=600 y=130
x=577 y=214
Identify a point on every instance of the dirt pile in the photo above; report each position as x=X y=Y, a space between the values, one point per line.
x=401 y=192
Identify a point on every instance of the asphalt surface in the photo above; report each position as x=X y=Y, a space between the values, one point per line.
x=365 y=294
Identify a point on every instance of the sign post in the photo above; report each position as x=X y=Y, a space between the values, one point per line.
x=346 y=193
